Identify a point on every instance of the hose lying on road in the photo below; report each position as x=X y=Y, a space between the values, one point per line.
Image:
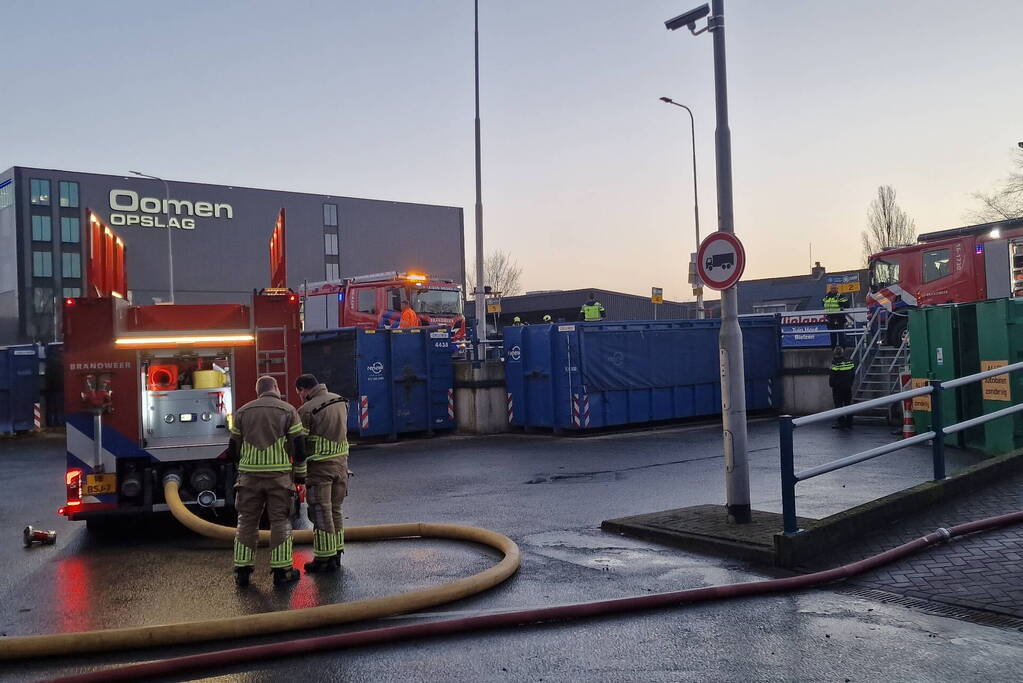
x=291 y=620
x=249 y=655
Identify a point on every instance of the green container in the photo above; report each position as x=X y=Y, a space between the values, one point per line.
x=999 y=342
x=943 y=346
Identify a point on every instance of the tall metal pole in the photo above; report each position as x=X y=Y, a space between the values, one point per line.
x=481 y=299
x=733 y=392
x=700 y=311
x=170 y=245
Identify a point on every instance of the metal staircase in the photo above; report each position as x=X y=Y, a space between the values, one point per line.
x=878 y=366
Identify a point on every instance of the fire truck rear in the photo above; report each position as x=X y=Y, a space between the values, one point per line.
x=150 y=390
x=961 y=265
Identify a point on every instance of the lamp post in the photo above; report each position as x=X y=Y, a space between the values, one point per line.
x=700 y=314
x=481 y=297
x=170 y=246
x=733 y=390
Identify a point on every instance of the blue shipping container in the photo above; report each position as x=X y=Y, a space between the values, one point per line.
x=19 y=387
x=589 y=375
x=396 y=381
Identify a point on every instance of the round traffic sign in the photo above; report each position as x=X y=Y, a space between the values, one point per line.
x=720 y=260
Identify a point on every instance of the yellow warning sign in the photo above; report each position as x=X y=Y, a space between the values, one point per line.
x=995 y=388
x=921 y=403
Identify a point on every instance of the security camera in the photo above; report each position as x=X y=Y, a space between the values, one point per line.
x=688 y=19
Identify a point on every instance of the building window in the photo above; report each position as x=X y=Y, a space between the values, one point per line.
x=935 y=264
x=69 y=194
x=41 y=229
x=42 y=264
x=70 y=230
x=42 y=300
x=72 y=292
x=333 y=271
x=40 y=191
x=71 y=265
x=6 y=194
x=330 y=245
x=330 y=214
x=367 y=300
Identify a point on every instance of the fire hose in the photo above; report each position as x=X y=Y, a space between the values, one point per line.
x=120 y=639
x=30 y=646
x=248 y=655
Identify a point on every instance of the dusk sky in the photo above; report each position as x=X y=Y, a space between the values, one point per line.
x=586 y=175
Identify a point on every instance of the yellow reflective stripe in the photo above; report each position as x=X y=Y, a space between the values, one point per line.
x=340 y=541
x=324 y=544
x=280 y=557
x=324 y=449
x=297 y=428
x=243 y=554
x=273 y=458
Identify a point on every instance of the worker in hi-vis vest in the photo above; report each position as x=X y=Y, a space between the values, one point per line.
x=592 y=310
x=261 y=432
x=835 y=304
x=841 y=380
x=325 y=418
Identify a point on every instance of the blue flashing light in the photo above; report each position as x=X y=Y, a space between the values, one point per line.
x=341 y=297
x=980 y=248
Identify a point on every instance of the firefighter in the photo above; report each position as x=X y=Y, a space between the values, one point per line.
x=834 y=305
x=517 y=321
x=325 y=418
x=547 y=318
x=592 y=310
x=841 y=381
x=261 y=431
x=409 y=318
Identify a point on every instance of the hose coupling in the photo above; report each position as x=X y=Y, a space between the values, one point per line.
x=174 y=476
x=945 y=534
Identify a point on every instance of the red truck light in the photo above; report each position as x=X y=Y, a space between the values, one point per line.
x=74 y=487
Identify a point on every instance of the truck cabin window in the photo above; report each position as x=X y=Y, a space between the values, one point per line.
x=883 y=274
x=936 y=264
x=367 y=300
x=437 y=301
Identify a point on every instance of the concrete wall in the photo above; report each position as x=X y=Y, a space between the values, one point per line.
x=481 y=397
x=805 y=381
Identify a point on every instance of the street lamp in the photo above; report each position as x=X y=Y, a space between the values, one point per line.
x=733 y=391
x=481 y=297
x=696 y=202
x=170 y=246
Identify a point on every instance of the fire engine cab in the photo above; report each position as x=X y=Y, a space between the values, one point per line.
x=150 y=389
x=376 y=301
x=961 y=265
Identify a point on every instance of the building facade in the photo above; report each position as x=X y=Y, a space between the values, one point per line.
x=219 y=236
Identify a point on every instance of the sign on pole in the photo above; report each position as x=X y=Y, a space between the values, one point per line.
x=493 y=306
x=720 y=260
x=847 y=284
x=657 y=295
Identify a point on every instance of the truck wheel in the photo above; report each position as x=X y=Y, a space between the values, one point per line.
x=897 y=330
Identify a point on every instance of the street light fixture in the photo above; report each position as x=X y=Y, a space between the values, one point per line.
x=700 y=314
x=733 y=391
x=170 y=246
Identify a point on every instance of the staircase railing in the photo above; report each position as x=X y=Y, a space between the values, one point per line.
x=866 y=348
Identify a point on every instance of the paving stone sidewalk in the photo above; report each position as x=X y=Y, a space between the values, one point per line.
x=983 y=571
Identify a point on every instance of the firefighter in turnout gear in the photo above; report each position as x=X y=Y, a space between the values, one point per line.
x=325 y=418
x=841 y=381
x=261 y=432
x=592 y=310
x=835 y=304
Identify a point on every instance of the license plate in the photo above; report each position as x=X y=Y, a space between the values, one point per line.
x=96 y=484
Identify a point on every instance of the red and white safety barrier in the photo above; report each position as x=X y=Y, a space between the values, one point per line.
x=364 y=412
x=511 y=408
x=580 y=410
x=37 y=417
x=451 y=404
x=908 y=425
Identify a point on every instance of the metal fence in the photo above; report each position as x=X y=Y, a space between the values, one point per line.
x=787 y=425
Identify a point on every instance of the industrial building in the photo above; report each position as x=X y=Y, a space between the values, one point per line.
x=219 y=236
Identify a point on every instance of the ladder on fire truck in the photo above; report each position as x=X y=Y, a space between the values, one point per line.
x=878 y=365
x=272 y=354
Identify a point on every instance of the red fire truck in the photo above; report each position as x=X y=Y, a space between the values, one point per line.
x=149 y=390
x=375 y=301
x=973 y=263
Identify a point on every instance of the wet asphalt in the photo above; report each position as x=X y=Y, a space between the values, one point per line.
x=549 y=495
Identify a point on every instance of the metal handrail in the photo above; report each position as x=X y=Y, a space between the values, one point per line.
x=935 y=389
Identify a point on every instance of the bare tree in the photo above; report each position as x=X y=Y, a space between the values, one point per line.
x=887 y=224
x=500 y=272
x=1006 y=201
